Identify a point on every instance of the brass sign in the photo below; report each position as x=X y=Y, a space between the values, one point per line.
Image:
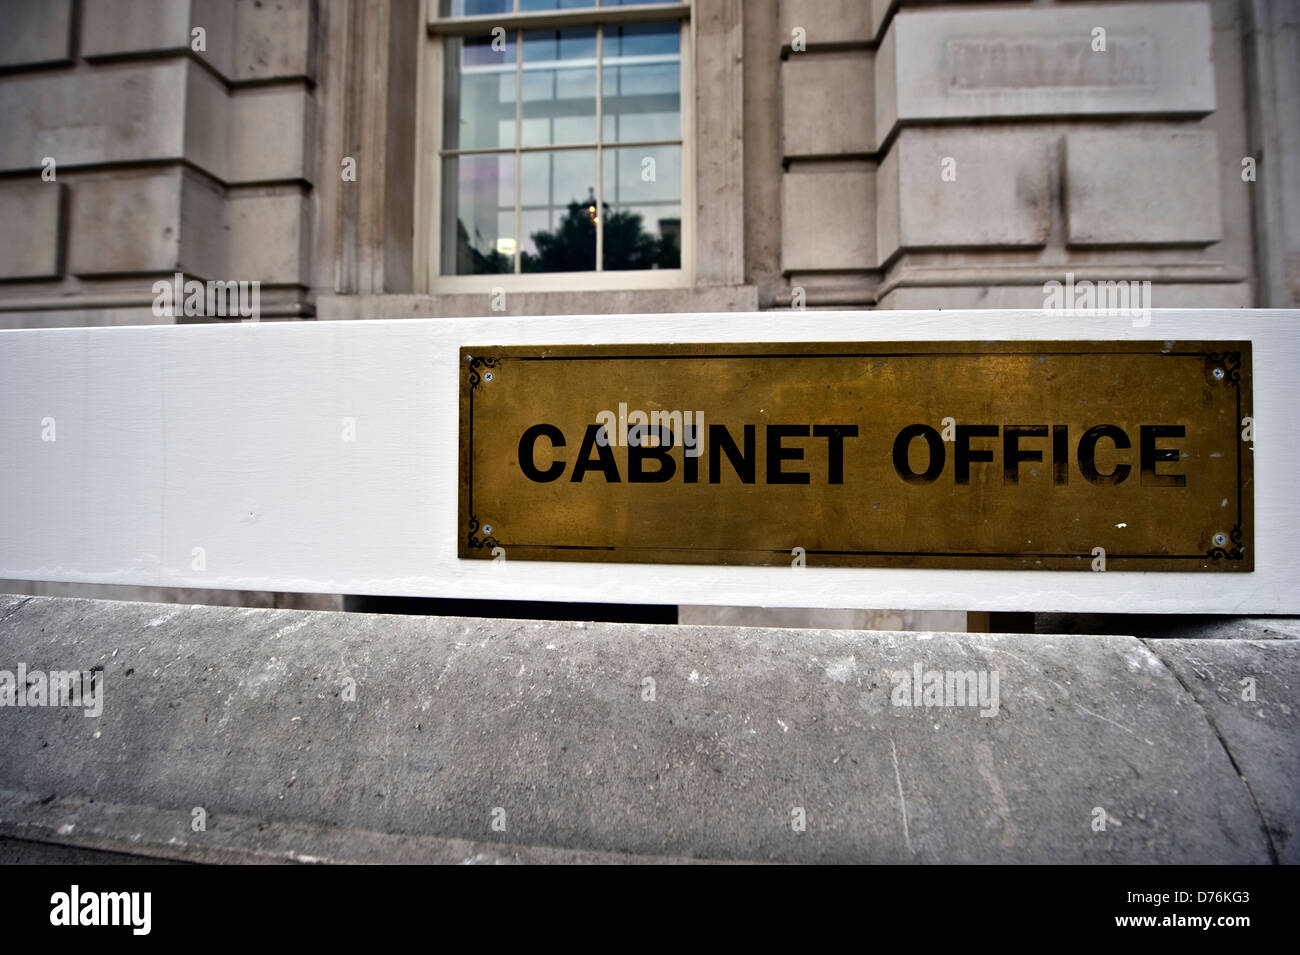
x=992 y=455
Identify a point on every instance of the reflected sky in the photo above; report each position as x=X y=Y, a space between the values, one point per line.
x=541 y=204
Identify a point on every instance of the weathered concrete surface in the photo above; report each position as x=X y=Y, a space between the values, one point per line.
x=23 y=852
x=1249 y=689
x=244 y=713
x=80 y=826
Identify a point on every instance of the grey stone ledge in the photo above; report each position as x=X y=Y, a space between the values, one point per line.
x=240 y=711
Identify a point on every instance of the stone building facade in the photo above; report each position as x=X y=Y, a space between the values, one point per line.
x=810 y=153
x=870 y=152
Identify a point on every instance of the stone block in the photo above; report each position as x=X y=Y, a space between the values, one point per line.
x=1142 y=188
x=269 y=238
x=976 y=64
x=115 y=28
x=828 y=21
x=268 y=131
x=31 y=250
x=205 y=233
x=208 y=127
x=217 y=18
x=124 y=224
x=964 y=189
x=827 y=104
x=35 y=33
x=273 y=40
x=143 y=222
x=826 y=219
x=885 y=85
x=115 y=113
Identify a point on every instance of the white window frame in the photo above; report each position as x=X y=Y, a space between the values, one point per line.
x=428 y=218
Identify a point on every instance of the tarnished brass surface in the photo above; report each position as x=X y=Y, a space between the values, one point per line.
x=822 y=495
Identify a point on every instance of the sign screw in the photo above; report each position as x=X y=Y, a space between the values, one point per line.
x=1218 y=374
x=487 y=376
x=487 y=529
x=1220 y=539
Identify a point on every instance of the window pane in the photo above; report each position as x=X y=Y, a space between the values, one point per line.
x=479 y=94
x=473 y=8
x=478 y=232
x=643 y=208
x=558 y=211
x=559 y=87
x=642 y=94
x=527 y=6
x=643 y=39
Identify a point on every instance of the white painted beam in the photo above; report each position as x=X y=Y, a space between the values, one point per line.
x=228 y=438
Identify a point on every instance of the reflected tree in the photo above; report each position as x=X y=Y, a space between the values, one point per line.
x=572 y=246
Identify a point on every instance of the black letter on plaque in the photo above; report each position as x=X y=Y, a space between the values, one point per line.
x=720 y=440
x=1151 y=454
x=776 y=454
x=606 y=465
x=903 y=443
x=637 y=454
x=963 y=456
x=1012 y=455
x=835 y=435
x=1088 y=454
x=526 y=462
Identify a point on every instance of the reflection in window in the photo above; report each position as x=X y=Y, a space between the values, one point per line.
x=473 y=8
x=642 y=83
x=589 y=117
x=644 y=212
x=482 y=190
x=479 y=94
x=531 y=6
x=559 y=88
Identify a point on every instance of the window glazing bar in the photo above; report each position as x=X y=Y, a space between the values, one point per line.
x=557 y=19
x=600 y=163
x=559 y=147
